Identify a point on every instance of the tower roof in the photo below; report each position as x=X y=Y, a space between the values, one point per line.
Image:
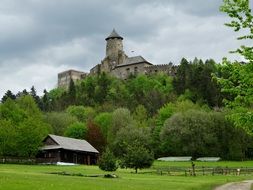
x=114 y=34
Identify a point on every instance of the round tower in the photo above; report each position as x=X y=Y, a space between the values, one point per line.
x=114 y=47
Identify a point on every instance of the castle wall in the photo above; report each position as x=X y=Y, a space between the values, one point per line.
x=168 y=69
x=95 y=70
x=124 y=72
x=65 y=77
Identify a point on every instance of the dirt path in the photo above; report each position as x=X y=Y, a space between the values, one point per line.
x=245 y=185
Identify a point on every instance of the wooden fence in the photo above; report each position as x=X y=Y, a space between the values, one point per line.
x=17 y=160
x=183 y=171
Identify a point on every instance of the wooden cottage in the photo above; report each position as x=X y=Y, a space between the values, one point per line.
x=64 y=149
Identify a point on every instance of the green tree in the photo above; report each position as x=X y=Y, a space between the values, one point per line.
x=32 y=130
x=242 y=20
x=169 y=109
x=137 y=157
x=189 y=133
x=86 y=91
x=22 y=127
x=7 y=138
x=150 y=91
x=140 y=116
x=10 y=111
x=102 y=88
x=59 y=121
x=83 y=114
x=76 y=130
x=121 y=118
x=236 y=79
x=108 y=162
x=104 y=121
x=181 y=80
x=128 y=136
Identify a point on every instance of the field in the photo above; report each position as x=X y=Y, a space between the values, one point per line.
x=38 y=177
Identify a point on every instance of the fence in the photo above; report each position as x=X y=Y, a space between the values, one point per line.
x=17 y=160
x=183 y=171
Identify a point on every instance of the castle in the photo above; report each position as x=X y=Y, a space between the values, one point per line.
x=117 y=63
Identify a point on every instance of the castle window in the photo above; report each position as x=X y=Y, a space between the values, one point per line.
x=128 y=71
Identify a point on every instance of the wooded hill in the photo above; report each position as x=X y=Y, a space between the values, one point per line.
x=193 y=114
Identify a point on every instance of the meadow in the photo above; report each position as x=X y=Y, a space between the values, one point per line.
x=40 y=177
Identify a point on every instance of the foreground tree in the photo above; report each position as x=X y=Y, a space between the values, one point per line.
x=137 y=157
x=108 y=162
x=236 y=79
x=242 y=20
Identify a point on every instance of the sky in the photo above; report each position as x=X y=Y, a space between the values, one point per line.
x=40 y=38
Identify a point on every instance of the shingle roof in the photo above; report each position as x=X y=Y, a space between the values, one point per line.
x=114 y=34
x=70 y=144
x=134 y=60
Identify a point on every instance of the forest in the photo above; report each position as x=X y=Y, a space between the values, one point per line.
x=205 y=110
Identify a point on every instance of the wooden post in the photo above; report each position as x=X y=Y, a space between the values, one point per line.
x=88 y=159
x=193 y=169
x=59 y=156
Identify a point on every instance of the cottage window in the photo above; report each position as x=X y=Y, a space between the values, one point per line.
x=135 y=70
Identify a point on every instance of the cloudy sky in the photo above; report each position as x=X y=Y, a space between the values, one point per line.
x=40 y=38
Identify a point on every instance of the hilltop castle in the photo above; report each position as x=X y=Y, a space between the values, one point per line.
x=117 y=63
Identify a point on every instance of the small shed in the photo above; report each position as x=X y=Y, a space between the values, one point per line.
x=65 y=149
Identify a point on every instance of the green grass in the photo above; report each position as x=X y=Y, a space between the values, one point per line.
x=37 y=177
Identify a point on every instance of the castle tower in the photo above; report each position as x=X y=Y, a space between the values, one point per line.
x=114 y=49
x=114 y=45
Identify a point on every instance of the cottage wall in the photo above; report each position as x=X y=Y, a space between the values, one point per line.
x=49 y=141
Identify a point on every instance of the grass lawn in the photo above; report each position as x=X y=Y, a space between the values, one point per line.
x=37 y=177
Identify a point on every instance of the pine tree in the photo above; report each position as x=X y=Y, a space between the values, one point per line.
x=7 y=95
x=36 y=98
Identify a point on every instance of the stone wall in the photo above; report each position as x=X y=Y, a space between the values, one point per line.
x=169 y=69
x=124 y=72
x=65 y=77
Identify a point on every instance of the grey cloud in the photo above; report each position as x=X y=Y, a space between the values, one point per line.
x=56 y=35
